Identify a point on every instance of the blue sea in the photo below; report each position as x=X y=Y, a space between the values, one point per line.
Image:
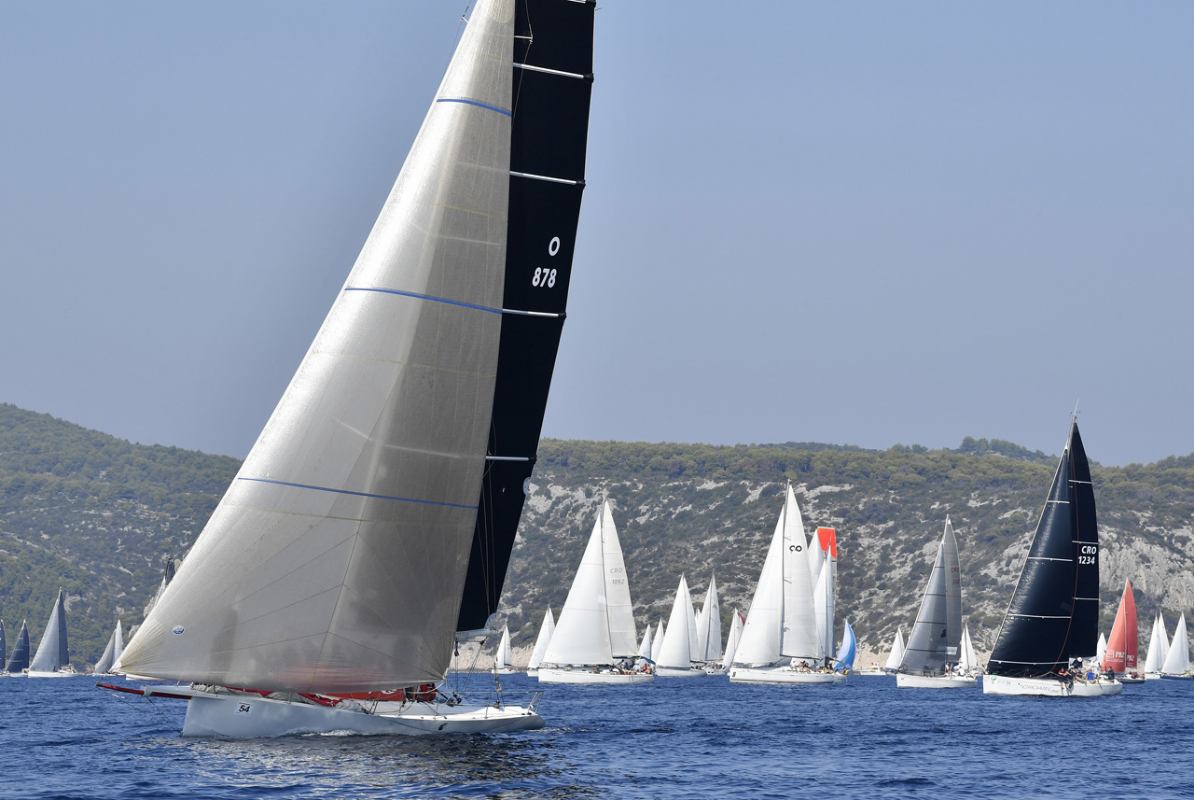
x=697 y=738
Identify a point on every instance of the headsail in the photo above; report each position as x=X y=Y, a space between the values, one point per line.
x=108 y=658
x=502 y=657
x=896 y=654
x=582 y=635
x=1158 y=646
x=848 y=649
x=1053 y=613
x=542 y=640
x=709 y=625
x=967 y=661
x=657 y=642
x=1177 y=660
x=337 y=558
x=552 y=82
x=936 y=635
x=732 y=642
x=623 y=639
x=53 y=652
x=19 y=660
x=644 y=649
x=676 y=650
x=1123 y=646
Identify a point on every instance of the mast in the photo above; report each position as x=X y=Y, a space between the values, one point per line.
x=336 y=560
x=551 y=85
x=1053 y=612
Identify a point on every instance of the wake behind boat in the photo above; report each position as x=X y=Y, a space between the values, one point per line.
x=1053 y=614
x=371 y=524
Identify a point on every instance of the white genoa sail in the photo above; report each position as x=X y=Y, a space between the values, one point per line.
x=1100 y=649
x=676 y=650
x=623 y=637
x=542 y=640
x=709 y=626
x=732 y=642
x=644 y=649
x=967 y=661
x=657 y=642
x=897 y=651
x=336 y=560
x=781 y=621
x=1177 y=660
x=1158 y=646
x=502 y=658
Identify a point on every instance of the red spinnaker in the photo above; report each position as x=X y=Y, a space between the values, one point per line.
x=1122 y=646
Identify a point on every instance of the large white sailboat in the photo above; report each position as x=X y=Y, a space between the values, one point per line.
x=1052 y=620
x=52 y=659
x=1158 y=649
x=595 y=639
x=503 y=656
x=1177 y=660
x=781 y=641
x=934 y=646
x=895 y=653
x=370 y=527
x=677 y=654
x=708 y=623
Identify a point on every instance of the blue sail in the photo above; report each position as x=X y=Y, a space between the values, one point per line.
x=849 y=648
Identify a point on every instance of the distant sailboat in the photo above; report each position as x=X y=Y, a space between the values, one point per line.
x=52 y=659
x=1158 y=649
x=370 y=527
x=657 y=642
x=781 y=641
x=1120 y=654
x=967 y=661
x=1177 y=660
x=541 y=641
x=736 y=620
x=3 y=647
x=936 y=639
x=18 y=662
x=896 y=654
x=1053 y=615
x=847 y=651
x=502 y=659
x=112 y=651
x=676 y=653
x=644 y=648
x=595 y=632
x=708 y=649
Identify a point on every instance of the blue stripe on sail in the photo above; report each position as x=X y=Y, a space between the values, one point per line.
x=370 y=495
x=469 y=102
x=429 y=297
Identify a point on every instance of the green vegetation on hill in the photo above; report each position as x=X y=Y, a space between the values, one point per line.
x=97 y=515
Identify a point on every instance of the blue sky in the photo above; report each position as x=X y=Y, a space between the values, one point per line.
x=859 y=222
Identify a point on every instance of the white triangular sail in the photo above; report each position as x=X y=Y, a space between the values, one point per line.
x=967 y=661
x=108 y=658
x=582 y=632
x=53 y=652
x=546 y=629
x=782 y=621
x=1177 y=660
x=335 y=560
x=701 y=632
x=657 y=642
x=1100 y=649
x=897 y=651
x=732 y=642
x=676 y=651
x=502 y=659
x=823 y=602
x=644 y=649
x=1158 y=646
x=620 y=610
x=709 y=626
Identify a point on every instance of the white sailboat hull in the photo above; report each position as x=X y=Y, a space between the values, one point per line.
x=1167 y=677
x=226 y=716
x=784 y=675
x=679 y=672
x=505 y=671
x=55 y=674
x=1048 y=687
x=550 y=675
x=905 y=681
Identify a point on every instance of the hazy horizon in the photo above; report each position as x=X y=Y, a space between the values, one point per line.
x=861 y=224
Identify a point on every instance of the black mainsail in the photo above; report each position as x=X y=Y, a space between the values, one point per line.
x=1053 y=613
x=20 y=652
x=553 y=77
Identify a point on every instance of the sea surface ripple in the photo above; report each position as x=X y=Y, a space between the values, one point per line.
x=696 y=738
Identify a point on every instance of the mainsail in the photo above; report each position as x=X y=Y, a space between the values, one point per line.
x=848 y=649
x=644 y=648
x=53 y=653
x=676 y=650
x=1177 y=660
x=502 y=658
x=542 y=640
x=339 y=558
x=1053 y=613
x=552 y=83
x=1123 y=645
x=936 y=635
x=657 y=642
x=709 y=626
x=1158 y=646
x=896 y=654
x=19 y=660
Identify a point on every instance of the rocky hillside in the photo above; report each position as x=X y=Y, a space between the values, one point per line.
x=97 y=516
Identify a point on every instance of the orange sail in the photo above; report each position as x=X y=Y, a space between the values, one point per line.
x=1121 y=647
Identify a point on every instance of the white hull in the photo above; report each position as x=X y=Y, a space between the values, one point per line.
x=1152 y=676
x=235 y=716
x=678 y=672
x=904 y=681
x=505 y=671
x=32 y=674
x=1167 y=677
x=548 y=675
x=784 y=675
x=1048 y=687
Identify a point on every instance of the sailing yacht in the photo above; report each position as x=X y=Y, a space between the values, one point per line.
x=1177 y=660
x=546 y=629
x=708 y=624
x=657 y=641
x=1053 y=616
x=18 y=662
x=1122 y=649
x=931 y=656
x=111 y=652
x=847 y=651
x=967 y=661
x=644 y=648
x=370 y=527
x=502 y=658
x=677 y=655
x=782 y=641
x=52 y=659
x=896 y=654
x=732 y=642
x=1158 y=649
x=595 y=639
